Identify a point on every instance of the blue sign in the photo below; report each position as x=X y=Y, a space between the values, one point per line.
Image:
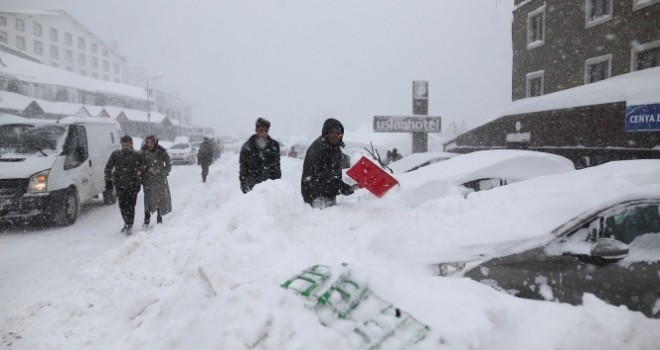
x=643 y=118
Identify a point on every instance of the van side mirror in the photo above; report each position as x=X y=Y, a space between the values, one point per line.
x=609 y=249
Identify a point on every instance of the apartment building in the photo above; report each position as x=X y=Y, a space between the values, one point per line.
x=559 y=44
x=57 y=39
x=586 y=82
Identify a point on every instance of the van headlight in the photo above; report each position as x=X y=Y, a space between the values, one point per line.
x=38 y=182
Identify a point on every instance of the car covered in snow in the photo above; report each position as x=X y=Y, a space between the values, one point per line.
x=183 y=152
x=415 y=161
x=477 y=171
x=594 y=230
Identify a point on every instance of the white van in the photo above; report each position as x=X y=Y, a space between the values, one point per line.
x=55 y=166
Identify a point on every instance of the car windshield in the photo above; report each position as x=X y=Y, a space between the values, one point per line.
x=40 y=139
x=181 y=146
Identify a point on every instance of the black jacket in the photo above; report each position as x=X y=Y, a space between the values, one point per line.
x=205 y=154
x=125 y=166
x=321 y=175
x=258 y=165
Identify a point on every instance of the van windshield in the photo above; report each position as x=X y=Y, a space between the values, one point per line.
x=41 y=139
x=10 y=136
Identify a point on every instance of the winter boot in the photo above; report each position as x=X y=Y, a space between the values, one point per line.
x=123 y=229
x=159 y=219
x=129 y=230
x=203 y=179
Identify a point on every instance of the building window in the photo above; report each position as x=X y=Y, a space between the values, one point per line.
x=95 y=75
x=68 y=39
x=37 y=29
x=106 y=78
x=20 y=24
x=70 y=69
x=54 y=52
x=94 y=48
x=55 y=65
x=82 y=59
x=597 y=12
x=597 y=68
x=105 y=52
x=116 y=80
x=20 y=42
x=53 y=34
x=116 y=68
x=38 y=47
x=3 y=21
x=536 y=28
x=535 y=82
x=3 y=37
x=83 y=72
x=106 y=65
x=81 y=43
x=645 y=56
x=640 y=4
x=95 y=62
x=68 y=55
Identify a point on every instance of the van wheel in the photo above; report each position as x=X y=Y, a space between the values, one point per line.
x=67 y=213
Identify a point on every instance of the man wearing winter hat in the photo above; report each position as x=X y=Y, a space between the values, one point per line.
x=259 y=158
x=321 y=176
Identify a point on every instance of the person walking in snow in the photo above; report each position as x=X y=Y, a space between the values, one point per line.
x=259 y=158
x=123 y=171
x=205 y=157
x=321 y=180
x=156 y=188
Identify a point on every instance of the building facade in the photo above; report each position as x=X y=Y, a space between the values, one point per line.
x=55 y=38
x=570 y=95
x=559 y=44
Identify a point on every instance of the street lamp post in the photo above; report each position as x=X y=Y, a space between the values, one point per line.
x=149 y=104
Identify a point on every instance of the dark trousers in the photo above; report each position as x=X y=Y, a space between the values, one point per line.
x=147 y=217
x=127 y=199
x=205 y=170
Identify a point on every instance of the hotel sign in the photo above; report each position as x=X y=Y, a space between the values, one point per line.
x=643 y=118
x=407 y=124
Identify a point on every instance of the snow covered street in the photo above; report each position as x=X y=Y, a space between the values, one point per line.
x=210 y=277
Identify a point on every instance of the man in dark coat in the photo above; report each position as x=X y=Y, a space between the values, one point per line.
x=321 y=176
x=259 y=158
x=205 y=157
x=128 y=166
x=157 y=168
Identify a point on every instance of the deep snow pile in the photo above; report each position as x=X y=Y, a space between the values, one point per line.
x=210 y=277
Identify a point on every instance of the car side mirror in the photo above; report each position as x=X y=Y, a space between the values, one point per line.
x=609 y=249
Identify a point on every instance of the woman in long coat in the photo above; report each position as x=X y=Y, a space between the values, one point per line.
x=157 y=196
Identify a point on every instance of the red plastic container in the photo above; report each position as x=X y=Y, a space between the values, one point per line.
x=372 y=177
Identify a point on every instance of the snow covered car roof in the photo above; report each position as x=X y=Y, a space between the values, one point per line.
x=415 y=161
x=447 y=177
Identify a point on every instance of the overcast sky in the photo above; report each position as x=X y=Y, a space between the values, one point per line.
x=297 y=62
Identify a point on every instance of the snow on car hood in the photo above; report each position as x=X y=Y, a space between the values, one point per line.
x=21 y=166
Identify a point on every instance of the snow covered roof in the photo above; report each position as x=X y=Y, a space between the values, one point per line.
x=14 y=101
x=636 y=88
x=27 y=70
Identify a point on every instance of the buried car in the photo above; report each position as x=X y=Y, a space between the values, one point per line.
x=611 y=249
x=415 y=161
x=478 y=171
